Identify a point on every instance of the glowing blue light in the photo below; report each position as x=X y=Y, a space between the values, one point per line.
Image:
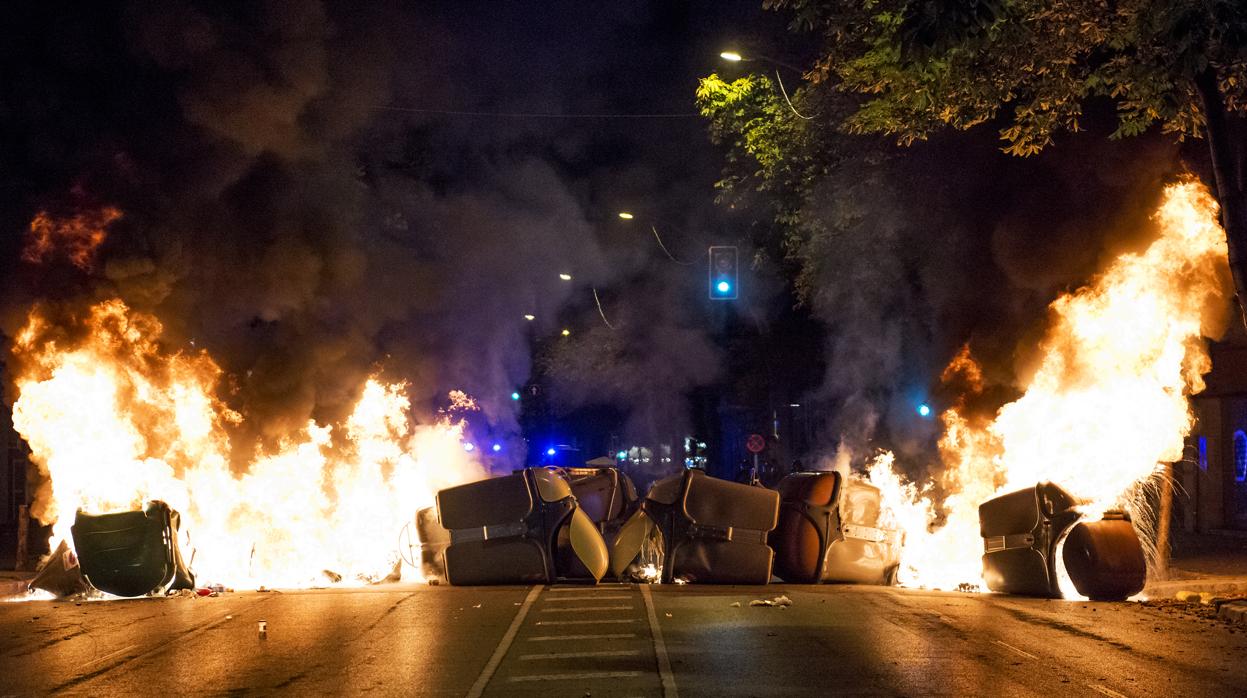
x=621 y=455
x=497 y=447
x=551 y=451
x=924 y=409
x=469 y=446
x=723 y=286
x=515 y=396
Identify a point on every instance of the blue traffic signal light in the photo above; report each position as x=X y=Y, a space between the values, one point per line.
x=724 y=270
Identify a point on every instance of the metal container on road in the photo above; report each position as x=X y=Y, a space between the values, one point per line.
x=712 y=531
x=132 y=553
x=831 y=530
x=506 y=530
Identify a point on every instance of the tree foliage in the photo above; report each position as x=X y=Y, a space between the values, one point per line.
x=920 y=65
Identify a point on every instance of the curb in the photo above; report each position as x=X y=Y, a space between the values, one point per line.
x=13 y=587
x=1213 y=586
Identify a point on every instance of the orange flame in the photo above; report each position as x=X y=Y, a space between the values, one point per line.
x=76 y=238
x=1106 y=407
x=115 y=419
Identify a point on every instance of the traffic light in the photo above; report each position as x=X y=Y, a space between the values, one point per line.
x=724 y=263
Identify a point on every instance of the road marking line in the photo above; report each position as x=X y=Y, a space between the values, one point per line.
x=588 y=598
x=577 y=677
x=1105 y=691
x=1011 y=647
x=503 y=645
x=614 y=636
x=578 y=655
x=600 y=587
x=660 y=648
x=578 y=609
x=584 y=622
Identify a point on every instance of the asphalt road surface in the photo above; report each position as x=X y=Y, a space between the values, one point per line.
x=615 y=640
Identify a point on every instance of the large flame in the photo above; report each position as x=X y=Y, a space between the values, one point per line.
x=115 y=419
x=1106 y=408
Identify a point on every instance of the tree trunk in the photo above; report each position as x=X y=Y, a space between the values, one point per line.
x=1225 y=173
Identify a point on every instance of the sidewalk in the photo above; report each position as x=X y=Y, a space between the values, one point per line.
x=1210 y=563
x=13 y=583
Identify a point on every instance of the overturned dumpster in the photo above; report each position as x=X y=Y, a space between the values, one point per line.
x=833 y=530
x=708 y=531
x=1031 y=535
x=508 y=530
x=131 y=553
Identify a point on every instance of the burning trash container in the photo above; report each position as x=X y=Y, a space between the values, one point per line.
x=132 y=553
x=1023 y=530
x=832 y=530
x=710 y=530
x=506 y=530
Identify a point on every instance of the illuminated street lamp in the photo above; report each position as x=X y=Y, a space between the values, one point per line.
x=735 y=57
x=565 y=276
x=567 y=332
x=626 y=216
x=529 y=317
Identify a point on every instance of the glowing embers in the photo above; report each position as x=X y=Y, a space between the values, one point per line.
x=76 y=238
x=1034 y=538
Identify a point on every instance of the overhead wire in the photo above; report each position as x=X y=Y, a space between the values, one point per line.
x=665 y=250
x=786 y=99
x=538 y=115
x=600 y=311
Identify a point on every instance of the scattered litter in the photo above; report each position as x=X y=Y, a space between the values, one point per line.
x=229 y=618
x=968 y=588
x=204 y=592
x=781 y=601
x=263 y=629
x=667 y=615
x=735 y=604
x=477 y=606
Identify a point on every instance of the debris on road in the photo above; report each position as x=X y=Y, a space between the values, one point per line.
x=781 y=600
x=735 y=604
x=61 y=575
x=263 y=627
x=1233 y=611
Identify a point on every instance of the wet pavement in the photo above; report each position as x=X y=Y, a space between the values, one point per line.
x=615 y=640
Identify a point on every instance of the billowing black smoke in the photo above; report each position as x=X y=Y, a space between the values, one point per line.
x=952 y=243
x=279 y=215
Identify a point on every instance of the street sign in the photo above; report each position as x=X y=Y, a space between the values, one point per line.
x=755 y=443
